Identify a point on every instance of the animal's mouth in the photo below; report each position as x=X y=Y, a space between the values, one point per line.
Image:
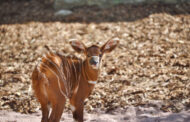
x=95 y=66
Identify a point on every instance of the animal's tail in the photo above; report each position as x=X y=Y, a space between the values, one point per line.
x=35 y=80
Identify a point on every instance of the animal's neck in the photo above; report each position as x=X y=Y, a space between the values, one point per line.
x=89 y=73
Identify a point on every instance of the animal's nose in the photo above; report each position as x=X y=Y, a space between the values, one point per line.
x=94 y=60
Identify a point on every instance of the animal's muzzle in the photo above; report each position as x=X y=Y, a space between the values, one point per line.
x=94 y=60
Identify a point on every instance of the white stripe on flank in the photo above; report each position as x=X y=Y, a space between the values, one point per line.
x=44 y=91
x=57 y=80
x=79 y=76
x=68 y=76
x=74 y=66
x=62 y=74
x=57 y=61
x=46 y=82
x=80 y=71
x=45 y=77
x=76 y=89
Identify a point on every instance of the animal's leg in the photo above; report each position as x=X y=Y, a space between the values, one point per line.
x=57 y=110
x=78 y=113
x=45 y=112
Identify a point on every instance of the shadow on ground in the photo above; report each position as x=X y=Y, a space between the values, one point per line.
x=22 y=11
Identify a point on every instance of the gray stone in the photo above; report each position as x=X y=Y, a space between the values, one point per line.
x=63 y=12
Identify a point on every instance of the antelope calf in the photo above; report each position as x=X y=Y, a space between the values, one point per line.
x=58 y=77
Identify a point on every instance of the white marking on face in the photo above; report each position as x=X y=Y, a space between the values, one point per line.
x=97 y=59
x=92 y=82
x=72 y=108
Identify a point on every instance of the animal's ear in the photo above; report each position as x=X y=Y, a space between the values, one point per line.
x=78 y=46
x=109 y=45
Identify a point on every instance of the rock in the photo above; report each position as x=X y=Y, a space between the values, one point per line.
x=63 y=12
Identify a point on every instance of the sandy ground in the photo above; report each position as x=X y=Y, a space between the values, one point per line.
x=131 y=114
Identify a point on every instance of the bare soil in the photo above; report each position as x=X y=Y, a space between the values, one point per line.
x=151 y=63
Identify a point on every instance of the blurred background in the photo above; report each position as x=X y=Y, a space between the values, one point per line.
x=151 y=65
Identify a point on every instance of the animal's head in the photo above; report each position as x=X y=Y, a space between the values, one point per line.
x=94 y=53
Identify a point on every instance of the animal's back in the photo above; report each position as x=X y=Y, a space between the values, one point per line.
x=59 y=71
